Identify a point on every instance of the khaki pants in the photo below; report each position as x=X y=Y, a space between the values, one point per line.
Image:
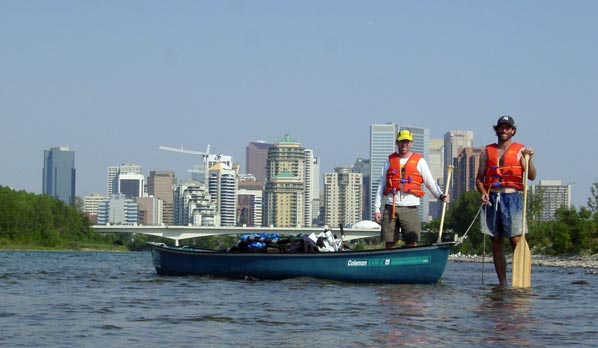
x=405 y=226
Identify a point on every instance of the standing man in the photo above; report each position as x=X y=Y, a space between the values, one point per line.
x=400 y=188
x=500 y=182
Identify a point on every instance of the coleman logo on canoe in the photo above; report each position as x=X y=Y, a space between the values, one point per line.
x=413 y=260
x=362 y=263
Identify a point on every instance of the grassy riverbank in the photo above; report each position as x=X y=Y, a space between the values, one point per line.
x=70 y=246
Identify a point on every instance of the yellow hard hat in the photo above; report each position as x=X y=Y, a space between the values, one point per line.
x=405 y=135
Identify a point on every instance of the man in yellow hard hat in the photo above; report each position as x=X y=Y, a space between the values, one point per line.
x=401 y=186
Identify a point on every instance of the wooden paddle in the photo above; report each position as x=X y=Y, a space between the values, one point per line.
x=522 y=261
x=446 y=190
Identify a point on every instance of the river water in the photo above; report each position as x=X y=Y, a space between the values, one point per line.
x=103 y=299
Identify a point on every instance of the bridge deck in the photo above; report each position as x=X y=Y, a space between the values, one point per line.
x=177 y=233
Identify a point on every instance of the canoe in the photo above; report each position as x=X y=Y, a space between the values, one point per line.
x=417 y=265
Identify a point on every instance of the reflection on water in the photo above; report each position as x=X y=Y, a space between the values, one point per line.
x=506 y=313
x=410 y=314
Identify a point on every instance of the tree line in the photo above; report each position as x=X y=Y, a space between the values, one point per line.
x=571 y=231
x=32 y=221
x=35 y=221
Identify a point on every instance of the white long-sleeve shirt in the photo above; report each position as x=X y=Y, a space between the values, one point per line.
x=403 y=199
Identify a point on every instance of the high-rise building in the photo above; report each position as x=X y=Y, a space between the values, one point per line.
x=284 y=191
x=342 y=197
x=382 y=144
x=222 y=185
x=454 y=141
x=112 y=180
x=256 y=155
x=467 y=163
x=554 y=195
x=312 y=187
x=59 y=174
x=362 y=166
x=161 y=184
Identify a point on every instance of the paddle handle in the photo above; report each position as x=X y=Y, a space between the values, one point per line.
x=449 y=174
x=525 y=185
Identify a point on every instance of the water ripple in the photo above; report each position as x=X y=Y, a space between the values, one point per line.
x=70 y=299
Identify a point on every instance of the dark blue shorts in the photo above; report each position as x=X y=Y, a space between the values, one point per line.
x=504 y=217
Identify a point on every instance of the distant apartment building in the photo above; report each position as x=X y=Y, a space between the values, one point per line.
x=554 y=195
x=59 y=174
x=284 y=191
x=222 y=186
x=161 y=184
x=193 y=205
x=311 y=187
x=118 y=209
x=362 y=166
x=342 y=197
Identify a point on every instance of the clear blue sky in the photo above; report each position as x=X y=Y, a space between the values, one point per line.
x=114 y=80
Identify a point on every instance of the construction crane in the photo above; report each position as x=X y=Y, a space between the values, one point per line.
x=204 y=156
x=192 y=152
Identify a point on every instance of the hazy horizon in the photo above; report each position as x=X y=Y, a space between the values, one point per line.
x=115 y=80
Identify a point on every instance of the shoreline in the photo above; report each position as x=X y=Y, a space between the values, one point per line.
x=589 y=263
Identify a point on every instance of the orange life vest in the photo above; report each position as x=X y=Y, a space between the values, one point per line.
x=407 y=178
x=507 y=174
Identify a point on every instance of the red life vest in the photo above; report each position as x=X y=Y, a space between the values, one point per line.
x=507 y=174
x=407 y=178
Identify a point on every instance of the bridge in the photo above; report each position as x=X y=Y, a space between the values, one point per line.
x=178 y=233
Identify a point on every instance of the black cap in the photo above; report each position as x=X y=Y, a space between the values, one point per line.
x=506 y=119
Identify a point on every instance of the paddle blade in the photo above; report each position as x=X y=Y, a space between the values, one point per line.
x=522 y=265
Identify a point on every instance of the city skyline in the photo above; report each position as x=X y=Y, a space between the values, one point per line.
x=229 y=73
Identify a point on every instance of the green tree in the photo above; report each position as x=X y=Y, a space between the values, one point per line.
x=28 y=220
x=463 y=217
x=535 y=204
x=593 y=200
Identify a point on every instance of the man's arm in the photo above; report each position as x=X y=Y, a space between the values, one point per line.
x=479 y=178
x=429 y=181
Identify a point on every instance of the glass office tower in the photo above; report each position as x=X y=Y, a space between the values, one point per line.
x=59 y=174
